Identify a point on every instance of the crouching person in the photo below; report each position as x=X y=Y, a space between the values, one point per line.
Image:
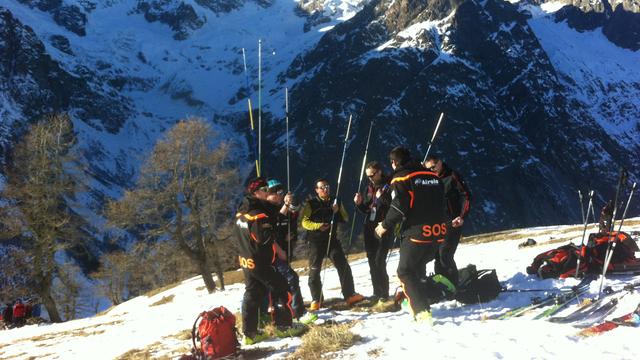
x=255 y=223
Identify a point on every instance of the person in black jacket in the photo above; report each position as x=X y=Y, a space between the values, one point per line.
x=317 y=213
x=374 y=203
x=286 y=231
x=417 y=205
x=255 y=225
x=458 y=202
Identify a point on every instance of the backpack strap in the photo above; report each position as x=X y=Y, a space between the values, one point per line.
x=196 y=351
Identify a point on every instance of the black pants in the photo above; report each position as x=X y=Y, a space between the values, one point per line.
x=317 y=252
x=411 y=269
x=445 y=263
x=377 y=250
x=257 y=283
x=297 y=304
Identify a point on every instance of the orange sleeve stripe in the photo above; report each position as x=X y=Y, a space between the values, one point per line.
x=252 y=218
x=412 y=175
x=411 y=200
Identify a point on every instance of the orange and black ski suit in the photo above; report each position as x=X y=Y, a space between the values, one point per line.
x=418 y=205
x=255 y=225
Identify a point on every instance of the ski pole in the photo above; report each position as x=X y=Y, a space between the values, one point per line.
x=609 y=255
x=433 y=137
x=584 y=231
x=621 y=181
x=335 y=202
x=364 y=162
x=593 y=215
x=582 y=206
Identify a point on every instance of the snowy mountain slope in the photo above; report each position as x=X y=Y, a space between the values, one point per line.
x=127 y=74
x=521 y=127
x=603 y=77
x=460 y=332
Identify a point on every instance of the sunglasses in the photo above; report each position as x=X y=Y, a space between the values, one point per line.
x=372 y=175
x=324 y=187
x=278 y=191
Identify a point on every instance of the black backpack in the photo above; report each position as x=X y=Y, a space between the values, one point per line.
x=476 y=286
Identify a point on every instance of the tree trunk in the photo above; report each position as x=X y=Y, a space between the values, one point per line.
x=219 y=271
x=50 y=305
x=205 y=271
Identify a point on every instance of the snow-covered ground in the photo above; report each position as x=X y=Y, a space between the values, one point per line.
x=460 y=331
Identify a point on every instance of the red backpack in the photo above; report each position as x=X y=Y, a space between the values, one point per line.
x=623 y=253
x=216 y=331
x=557 y=263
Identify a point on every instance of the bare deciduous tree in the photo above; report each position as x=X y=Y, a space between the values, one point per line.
x=39 y=188
x=185 y=193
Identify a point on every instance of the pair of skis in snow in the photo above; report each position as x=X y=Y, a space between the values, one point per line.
x=558 y=300
x=631 y=319
x=596 y=310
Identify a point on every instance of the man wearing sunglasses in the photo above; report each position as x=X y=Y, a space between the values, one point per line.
x=374 y=203
x=255 y=226
x=458 y=202
x=317 y=213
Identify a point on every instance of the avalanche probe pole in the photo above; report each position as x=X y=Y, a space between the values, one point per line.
x=286 y=120
x=433 y=137
x=364 y=162
x=335 y=202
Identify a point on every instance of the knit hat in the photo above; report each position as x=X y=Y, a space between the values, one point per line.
x=255 y=185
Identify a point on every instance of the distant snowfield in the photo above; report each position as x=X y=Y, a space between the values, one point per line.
x=460 y=332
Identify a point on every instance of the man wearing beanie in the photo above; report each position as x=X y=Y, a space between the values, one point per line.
x=255 y=225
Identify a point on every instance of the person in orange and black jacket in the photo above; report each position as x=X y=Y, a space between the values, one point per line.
x=317 y=215
x=255 y=225
x=418 y=206
x=374 y=203
x=458 y=204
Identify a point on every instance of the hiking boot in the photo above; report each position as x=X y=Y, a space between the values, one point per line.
x=255 y=338
x=354 y=299
x=440 y=279
x=424 y=317
x=308 y=318
x=383 y=300
x=296 y=329
x=315 y=306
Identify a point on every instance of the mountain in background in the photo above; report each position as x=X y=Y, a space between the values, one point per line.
x=540 y=99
